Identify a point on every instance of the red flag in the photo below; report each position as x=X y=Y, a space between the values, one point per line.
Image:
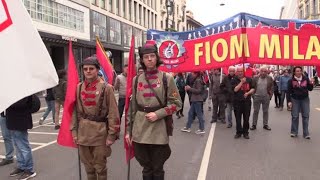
x=65 y=136
x=318 y=70
x=131 y=74
x=249 y=72
x=104 y=61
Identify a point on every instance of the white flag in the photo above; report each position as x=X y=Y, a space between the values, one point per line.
x=25 y=64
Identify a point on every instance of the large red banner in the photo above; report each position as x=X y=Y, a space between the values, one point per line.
x=241 y=39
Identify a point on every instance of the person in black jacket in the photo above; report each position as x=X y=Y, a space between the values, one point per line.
x=181 y=83
x=298 y=88
x=19 y=120
x=243 y=90
x=49 y=96
x=7 y=138
x=229 y=93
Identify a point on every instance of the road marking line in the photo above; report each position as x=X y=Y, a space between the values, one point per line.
x=45 y=145
x=318 y=109
x=48 y=125
x=206 y=155
x=32 y=143
x=35 y=127
x=35 y=149
x=44 y=133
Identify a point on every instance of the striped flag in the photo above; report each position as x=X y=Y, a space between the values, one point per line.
x=104 y=61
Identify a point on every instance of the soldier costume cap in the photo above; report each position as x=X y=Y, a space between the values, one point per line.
x=92 y=60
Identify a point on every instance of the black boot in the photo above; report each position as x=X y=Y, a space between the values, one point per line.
x=147 y=177
x=158 y=177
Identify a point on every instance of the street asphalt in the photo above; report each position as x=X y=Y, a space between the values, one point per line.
x=267 y=155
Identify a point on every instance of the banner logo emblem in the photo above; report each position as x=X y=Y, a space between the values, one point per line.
x=171 y=51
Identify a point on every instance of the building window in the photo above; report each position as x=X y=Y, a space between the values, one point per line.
x=99 y=25
x=135 y=12
x=307 y=9
x=145 y=16
x=140 y=14
x=117 y=7
x=152 y=22
x=127 y=34
x=155 y=19
x=315 y=7
x=54 y=13
x=130 y=10
x=301 y=15
x=138 y=37
x=110 y=6
x=103 y=4
x=115 y=31
x=95 y=2
x=124 y=8
x=148 y=19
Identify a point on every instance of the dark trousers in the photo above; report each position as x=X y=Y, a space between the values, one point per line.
x=277 y=98
x=284 y=94
x=121 y=104
x=152 y=158
x=182 y=95
x=242 y=109
x=218 y=107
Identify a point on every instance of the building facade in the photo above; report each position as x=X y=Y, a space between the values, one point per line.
x=113 y=21
x=172 y=15
x=192 y=24
x=289 y=10
x=308 y=9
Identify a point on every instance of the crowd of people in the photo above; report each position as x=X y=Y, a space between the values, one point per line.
x=156 y=97
x=235 y=93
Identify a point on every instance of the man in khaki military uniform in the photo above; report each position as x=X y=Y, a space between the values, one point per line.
x=149 y=127
x=95 y=124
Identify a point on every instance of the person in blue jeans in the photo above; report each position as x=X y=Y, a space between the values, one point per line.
x=19 y=120
x=298 y=88
x=196 y=100
x=49 y=97
x=7 y=141
x=283 y=89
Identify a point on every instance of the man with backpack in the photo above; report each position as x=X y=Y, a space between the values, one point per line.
x=155 y=98
x=95 y=124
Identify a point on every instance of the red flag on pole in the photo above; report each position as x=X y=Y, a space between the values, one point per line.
x=104 y=61
x=318 y=70
x=65 y=136
x=130 y=76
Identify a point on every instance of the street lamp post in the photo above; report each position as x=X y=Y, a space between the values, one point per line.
x=170 y=11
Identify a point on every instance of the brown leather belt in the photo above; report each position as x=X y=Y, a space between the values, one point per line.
x=94 y=118
x=147 y=109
